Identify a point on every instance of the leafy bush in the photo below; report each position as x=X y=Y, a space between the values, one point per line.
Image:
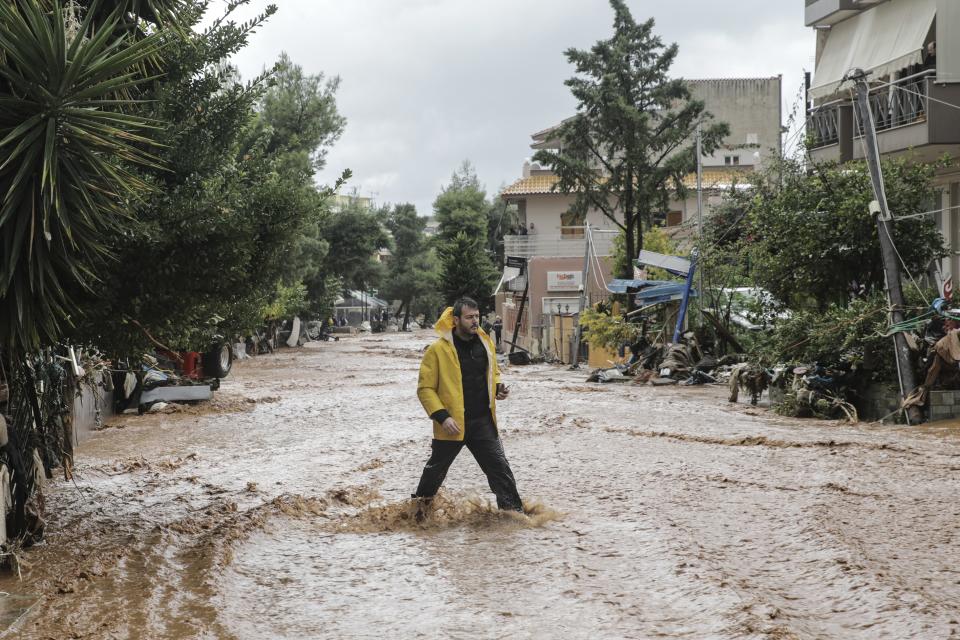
x=853 y=334
x=603 y=330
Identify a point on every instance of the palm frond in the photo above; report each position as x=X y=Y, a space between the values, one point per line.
x=68 y=139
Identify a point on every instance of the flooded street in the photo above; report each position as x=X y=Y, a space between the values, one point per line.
x=283 y=511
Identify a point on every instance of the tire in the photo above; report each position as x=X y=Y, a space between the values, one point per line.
x=218 y=361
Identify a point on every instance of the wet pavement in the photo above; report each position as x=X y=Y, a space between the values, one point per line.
x=282 y=511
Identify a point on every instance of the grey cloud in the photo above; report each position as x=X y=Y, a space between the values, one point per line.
x=427 y=83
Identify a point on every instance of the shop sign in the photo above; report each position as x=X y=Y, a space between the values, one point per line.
x=564 y=280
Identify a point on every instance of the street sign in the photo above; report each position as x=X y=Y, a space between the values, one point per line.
x=516 y=262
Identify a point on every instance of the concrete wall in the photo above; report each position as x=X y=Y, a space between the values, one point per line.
x=544 y=211
x=752 y=108
x=86 y=409
x=535 y=321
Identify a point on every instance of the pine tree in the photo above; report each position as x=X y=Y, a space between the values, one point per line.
x=462 y=213
x=631 y=142
x=466 y=270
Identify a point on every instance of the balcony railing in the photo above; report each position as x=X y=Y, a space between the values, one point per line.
x=558 y=246
x=900 y=103
x=823 y=125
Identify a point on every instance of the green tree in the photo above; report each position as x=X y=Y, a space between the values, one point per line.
x=502 y=219
x=630 y=144
x=462 y=206
x=234 y=208
x=462 y=210
x=810 y=239
x=298 y=114
x=354 y=234
x=412 y=269
x=69 y=144
x=72 y=141
x=465 y=270
x=656 y=240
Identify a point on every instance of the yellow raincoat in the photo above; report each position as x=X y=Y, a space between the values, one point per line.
x=441 y=386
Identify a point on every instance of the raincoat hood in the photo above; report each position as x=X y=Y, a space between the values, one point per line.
x=445 y=324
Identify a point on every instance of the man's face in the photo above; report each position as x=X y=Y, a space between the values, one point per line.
x=468 y=322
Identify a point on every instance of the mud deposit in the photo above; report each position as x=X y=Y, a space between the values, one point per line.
x=283 y=511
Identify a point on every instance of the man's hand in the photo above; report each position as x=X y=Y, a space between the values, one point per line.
x=502 y=391
x=451 y=427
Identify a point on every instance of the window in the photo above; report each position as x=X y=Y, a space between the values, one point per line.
x=731 y=160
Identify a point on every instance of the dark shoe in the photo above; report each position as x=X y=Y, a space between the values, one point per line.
x=423 y=505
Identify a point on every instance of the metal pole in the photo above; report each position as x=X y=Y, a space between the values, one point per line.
x=588 y=250
x=891 y=267
x=523 y=303
x=686 y=298
x=700 y=194
x=700 y=182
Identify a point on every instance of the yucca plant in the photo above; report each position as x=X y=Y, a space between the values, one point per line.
x=154 y=12
x=69 y=139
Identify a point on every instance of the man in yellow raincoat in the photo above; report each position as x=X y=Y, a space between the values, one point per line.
x=459 y=387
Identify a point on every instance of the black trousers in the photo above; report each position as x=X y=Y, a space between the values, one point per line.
x=483 y=442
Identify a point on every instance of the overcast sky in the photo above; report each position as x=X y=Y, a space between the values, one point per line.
x=429 y=83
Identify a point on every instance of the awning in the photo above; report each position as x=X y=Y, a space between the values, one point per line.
x=671 y=264
x=669 y=292
x=618 y=285
x=509 y=273
x=880 y=41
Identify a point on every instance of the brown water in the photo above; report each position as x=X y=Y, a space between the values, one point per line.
x=282 y=511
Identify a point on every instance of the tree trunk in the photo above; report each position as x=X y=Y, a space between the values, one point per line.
x=629 y=220
x=626 y=269
x=406 y=313
x=642 y=209
x=639 y=235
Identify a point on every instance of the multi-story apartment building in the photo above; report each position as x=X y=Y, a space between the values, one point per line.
x=911 y=51
x=555 y=246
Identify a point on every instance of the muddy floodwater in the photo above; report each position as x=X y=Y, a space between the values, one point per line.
x=282 y=510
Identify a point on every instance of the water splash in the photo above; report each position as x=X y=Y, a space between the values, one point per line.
x=445 y=511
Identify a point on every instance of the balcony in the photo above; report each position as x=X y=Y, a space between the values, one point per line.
x=821 y=13
x=566 y=245
x=830 y=131
x=910 y=115
x=901 y=104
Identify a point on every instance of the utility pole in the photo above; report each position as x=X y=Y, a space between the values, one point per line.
x=891 y=268
x=700 y=182
x=587 y=252
x=700 y=197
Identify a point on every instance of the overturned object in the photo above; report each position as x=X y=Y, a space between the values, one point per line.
x=183 y=393
x=749 y=377
x=607 y=375
x=519 y=358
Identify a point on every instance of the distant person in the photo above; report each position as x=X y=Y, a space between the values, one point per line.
x=533 y=230
x=458 y=387
x=498 y=329
x=523 y=230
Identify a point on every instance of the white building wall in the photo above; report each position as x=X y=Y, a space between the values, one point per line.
x=544 y=211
